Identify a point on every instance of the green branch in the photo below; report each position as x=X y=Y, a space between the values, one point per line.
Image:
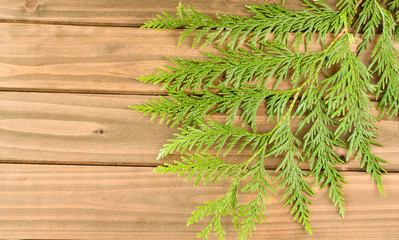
x=242 y=85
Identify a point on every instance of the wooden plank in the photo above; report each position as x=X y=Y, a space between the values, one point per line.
x=86 y=59
x=117 y=13
x=82 y=59
x=77 y=202
x=90 y=59
x=100 y=129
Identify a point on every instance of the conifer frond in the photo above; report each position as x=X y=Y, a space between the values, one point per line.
x=180 y=108
x=347 y=98
x=229 y=204
x=386 y=65
x=348 y=10
x=239 y=68
x=213 y=134
x=318 y=145
x=226 y=205
x=368 y=21
x=234 y=83
x=255 y=210
x=268 y=18
x=204 y=167
x=298 y=190
x=292 y=177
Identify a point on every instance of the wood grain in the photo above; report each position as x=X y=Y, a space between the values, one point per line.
x=82 y=59
x=117 y=13
x=100 y=129
x=77 y=202
x=103 y=51
x=86 y=59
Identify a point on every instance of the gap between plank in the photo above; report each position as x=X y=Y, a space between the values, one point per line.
x=131 y=165
x=88 y=92
x=67 y=23
x=81 y=91
x=121 y=25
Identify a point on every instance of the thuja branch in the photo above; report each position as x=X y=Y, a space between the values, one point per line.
x=332 y=112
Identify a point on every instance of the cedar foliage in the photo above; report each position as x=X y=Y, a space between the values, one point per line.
x=254 y=51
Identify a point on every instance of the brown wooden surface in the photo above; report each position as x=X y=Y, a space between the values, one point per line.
x=101 y=129
x=76 y=202
x=68 y=72
x=87 y=59
x=117 y=13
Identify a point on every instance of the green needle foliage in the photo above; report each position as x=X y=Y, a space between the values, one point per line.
x=307 y=122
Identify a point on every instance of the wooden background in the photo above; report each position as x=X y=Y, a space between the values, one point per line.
x=76 y=163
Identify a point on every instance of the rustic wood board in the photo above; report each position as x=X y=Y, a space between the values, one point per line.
x=75 y=202
x=87 y=59
x=118 y=13
x=101 y=129
x=83 y=59
x=102 y=52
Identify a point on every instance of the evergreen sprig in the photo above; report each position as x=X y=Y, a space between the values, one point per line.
x=308 y=121
x=267 y=19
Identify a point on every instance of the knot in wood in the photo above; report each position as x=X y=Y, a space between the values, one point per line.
x=31 y=5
